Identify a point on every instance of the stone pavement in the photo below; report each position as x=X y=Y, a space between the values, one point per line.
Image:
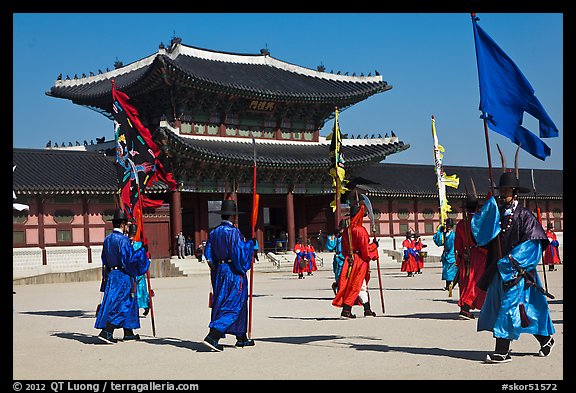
x=298 y=334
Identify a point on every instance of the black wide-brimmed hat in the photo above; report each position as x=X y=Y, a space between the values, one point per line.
x=449 y=222
x=119 y=215
x=228 y=208
x=509 y=180
x=354 y=209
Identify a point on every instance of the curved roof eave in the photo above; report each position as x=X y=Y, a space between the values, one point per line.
x=280 y=154
x=204 y=67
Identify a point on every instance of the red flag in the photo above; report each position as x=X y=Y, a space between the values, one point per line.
x=137 y=164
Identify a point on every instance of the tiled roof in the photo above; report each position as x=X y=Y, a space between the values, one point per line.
x=44 y=171
x=411 y=180
x=282 y=154
x=252 y=76
x=41 y=171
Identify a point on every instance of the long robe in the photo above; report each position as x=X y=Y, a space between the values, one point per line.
x=418 y=246
x=551 y=254
x=301 y=252
x=229 y=257
x=349 y=286
x=142 y=292
x=519 y=309
x=469 y=272
x=120 y=300
x=410 y=257
x=335 y=245
x=311 y=255
x=449 y=268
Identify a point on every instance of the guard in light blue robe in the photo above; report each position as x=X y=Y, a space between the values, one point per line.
x=514 y=303
x=229 y=257
x=334 y=244
x=142 y=293
x=122 y=262
x=448 y=258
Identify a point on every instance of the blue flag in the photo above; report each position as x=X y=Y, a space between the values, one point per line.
x=505 y=94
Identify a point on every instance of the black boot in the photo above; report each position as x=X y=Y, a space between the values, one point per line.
x=501 y=352
x=546 y=345
x=130 y=336
x=211 y=340
x=107 y=334
x=243 y=341
x=347 y=312
x=367 y=311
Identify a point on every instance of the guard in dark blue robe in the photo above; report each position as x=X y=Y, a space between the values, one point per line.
x=229 y=257
x=515 y=302
x=122 y=262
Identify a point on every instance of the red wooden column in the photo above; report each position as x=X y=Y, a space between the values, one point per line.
x=290 y=220
x=175 y=219
x=41 y=240
x=391 y=223
x=86 y=224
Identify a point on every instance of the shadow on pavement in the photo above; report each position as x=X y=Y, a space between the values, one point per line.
x=62 y=313
x=306 y=298
x=299 y=339
x=175 y=342
x=435 y=315
x=307 y=318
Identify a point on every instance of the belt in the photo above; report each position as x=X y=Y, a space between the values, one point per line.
x=117 y=268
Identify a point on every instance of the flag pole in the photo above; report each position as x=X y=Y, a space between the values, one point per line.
x=338 y=185
x=499 y=246
x=489 y=159
x=253 y=224
x=140 y=237
x=438 y=171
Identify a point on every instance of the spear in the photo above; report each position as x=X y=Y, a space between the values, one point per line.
x=368 y=205
x=540 y=221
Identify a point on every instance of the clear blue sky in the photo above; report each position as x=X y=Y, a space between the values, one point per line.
x=429 y=59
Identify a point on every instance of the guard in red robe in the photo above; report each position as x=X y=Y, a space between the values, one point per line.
x=355 y=275
x=410 y=256
x=419 y=246
x=301 y=264
x=311 y=256
x=471 y=262
x=551 y=254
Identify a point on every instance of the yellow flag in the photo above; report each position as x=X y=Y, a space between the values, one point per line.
x=451 y=181
x=337 y=162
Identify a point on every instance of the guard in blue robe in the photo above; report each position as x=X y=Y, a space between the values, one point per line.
x=229 y=257
x=445 y=236
x=122 y=262
x=515 y=302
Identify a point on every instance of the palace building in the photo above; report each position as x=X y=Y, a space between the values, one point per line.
x=203 y=108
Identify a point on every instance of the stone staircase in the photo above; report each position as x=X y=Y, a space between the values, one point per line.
x=275 y=262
